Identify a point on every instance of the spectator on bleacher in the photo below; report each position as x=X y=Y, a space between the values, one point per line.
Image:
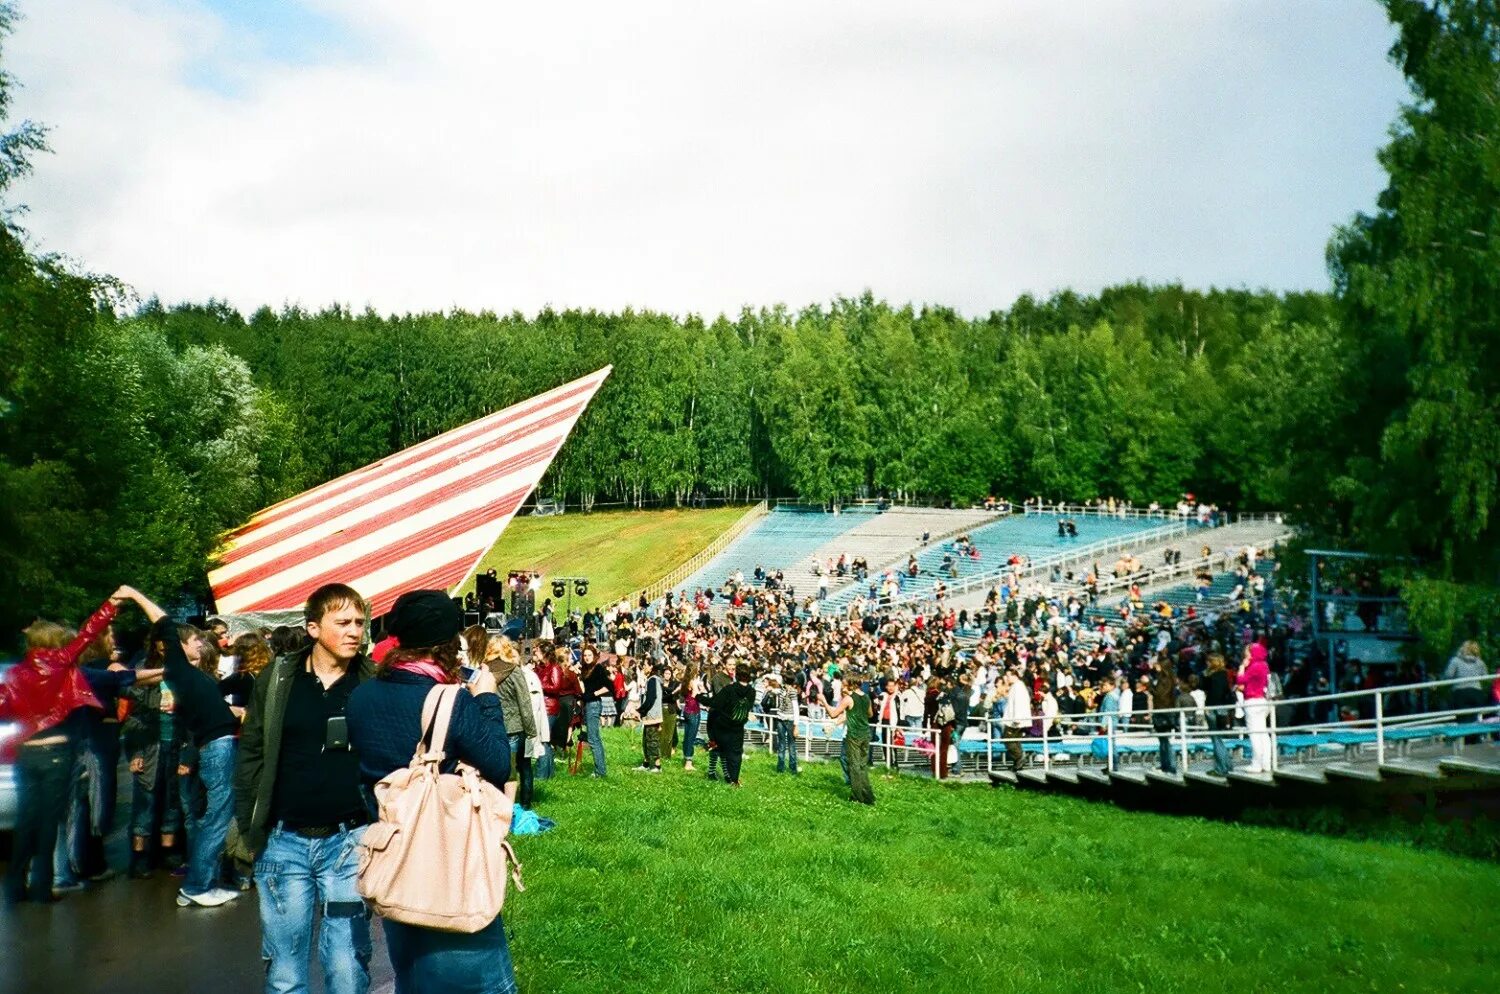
x=1219 y=702
x=1467 y=665
x=1254 y=676
x=1017 y=718
x=1163 y=721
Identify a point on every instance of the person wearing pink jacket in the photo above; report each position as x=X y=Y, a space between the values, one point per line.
x=1252 y=681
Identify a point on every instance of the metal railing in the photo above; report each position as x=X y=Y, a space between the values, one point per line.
x=1167 y=513
x=976 y=581
x=906 y=746
x=659 y=589
x=1185 y=733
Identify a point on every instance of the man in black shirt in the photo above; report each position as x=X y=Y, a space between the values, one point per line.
x=299 y=806
x=210 y=724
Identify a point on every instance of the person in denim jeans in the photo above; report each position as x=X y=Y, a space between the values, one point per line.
x=692 y=714
x=784 y=701
x=299 y=805
x=210 y=727
x=295 y=875
x=597 y=685
x=386 y=727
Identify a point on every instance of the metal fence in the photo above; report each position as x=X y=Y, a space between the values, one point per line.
x=751 y=517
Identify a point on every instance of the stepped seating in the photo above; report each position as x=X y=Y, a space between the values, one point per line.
x=884 y=540
x=1033 y=536
x=1180 y=596
x=784 y=536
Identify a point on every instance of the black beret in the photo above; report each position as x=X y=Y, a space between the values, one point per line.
x=422 y=618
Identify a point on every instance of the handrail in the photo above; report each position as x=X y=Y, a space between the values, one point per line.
x=836 y=593
x=659 y=589
x=1180 y=731
x=1129 y=511
x=976 y=580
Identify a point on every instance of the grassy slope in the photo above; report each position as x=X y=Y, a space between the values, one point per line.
x=672 y=884
x=621 y=552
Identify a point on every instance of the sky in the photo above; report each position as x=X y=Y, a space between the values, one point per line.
x=696 y=157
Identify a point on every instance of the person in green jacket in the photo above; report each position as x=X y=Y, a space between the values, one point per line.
x=853 y=711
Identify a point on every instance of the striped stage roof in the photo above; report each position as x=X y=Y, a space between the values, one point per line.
x=419 y=519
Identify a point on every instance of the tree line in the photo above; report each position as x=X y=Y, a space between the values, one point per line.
x=131 y=436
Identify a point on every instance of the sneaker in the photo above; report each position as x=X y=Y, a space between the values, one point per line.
x=211 y=898
x=654 y=769
x=643 y=768
x=63 y=889
x=140 y=867
x=179 y=871
x=103 y=875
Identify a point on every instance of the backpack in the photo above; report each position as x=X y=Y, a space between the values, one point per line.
x=437 y=858
x=741 y=712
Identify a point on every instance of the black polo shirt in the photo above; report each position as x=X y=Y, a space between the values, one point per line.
x=316 y=786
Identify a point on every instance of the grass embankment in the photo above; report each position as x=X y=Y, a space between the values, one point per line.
x=621 y=552
x=670 y=883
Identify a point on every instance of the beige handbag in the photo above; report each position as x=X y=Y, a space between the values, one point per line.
x=437 y=858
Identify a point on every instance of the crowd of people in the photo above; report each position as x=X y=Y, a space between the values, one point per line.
x=257 y=762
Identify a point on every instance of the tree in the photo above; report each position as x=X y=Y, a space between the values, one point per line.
x=1418 y=286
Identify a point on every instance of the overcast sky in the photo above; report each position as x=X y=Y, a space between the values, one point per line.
x=697 y=157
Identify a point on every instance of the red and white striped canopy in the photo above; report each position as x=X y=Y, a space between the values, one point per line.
x=420 y=519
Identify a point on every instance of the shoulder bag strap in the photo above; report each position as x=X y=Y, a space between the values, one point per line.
x=437 y=712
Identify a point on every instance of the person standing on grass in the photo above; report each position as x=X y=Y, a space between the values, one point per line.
x=854 y=711
x=598 y=687
x=385 y=728
x=727 y=716
x=650 y=710
x=503 y=659
x=692 y=714
x=671 y=691
x=784 y=713
x=719 y=679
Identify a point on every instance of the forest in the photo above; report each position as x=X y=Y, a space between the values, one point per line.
x=132 y=433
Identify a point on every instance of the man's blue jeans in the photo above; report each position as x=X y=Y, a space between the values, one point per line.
x=297 y=876
x=206 y=834
x=591 y=716
x=786 y=746
x=425 y=959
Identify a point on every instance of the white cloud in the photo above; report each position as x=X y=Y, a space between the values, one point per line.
x=684 y=157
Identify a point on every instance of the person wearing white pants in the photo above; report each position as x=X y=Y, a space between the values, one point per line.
x=1257 y=720
x=1252 y=680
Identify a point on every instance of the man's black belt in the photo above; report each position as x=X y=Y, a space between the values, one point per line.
x=325 y=831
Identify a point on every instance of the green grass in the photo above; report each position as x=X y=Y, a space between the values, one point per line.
x=670 y=883
x=621 y=552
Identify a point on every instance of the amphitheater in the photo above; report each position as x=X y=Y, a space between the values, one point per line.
x=1430 y=749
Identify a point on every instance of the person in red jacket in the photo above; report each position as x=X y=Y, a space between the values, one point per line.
x=38 y=695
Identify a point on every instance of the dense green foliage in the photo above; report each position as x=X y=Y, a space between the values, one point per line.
x=671 y=883
x=1144 y=391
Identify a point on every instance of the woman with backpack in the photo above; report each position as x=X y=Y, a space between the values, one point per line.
x=385 y=727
